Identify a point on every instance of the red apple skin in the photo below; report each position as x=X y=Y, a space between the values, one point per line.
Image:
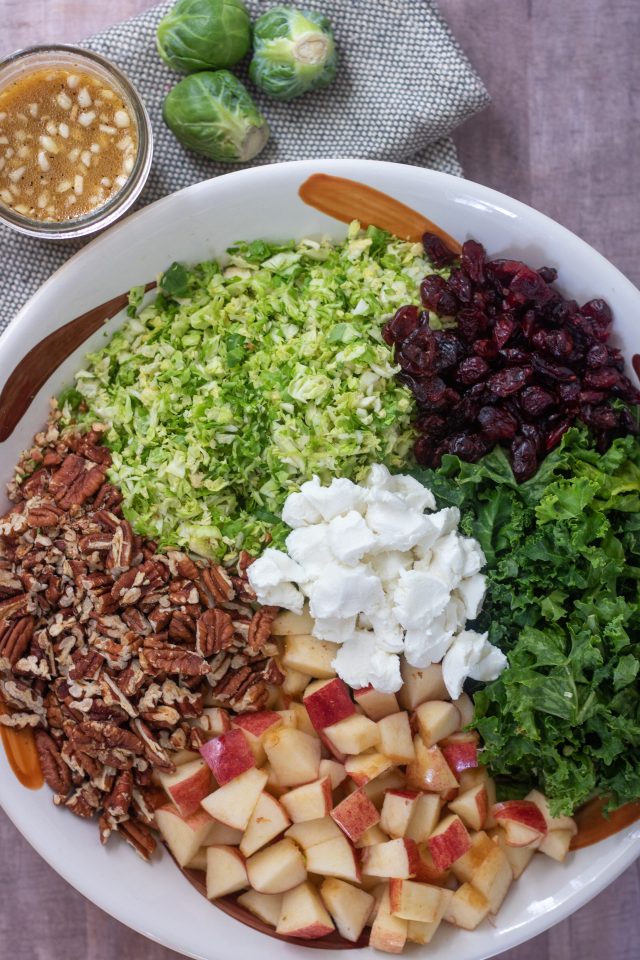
x=228 y=755
x=329 y=704
x=427 y=871
x=446 y=848
x=332 y=751
x=522 y=811
x=460 y=756
x=188 y=794
x=256 y=723
x=355 y=814
x=413 y=855
x=312 y=932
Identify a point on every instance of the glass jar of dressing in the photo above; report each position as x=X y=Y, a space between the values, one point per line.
x=75 y=142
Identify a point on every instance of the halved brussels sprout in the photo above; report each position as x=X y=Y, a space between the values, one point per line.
x=293 y=52
x=212 y=113
x=204 y=34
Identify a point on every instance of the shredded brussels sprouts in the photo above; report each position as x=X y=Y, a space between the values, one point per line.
x=242 y=381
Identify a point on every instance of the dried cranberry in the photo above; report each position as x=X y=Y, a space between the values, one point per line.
x=509 y=381
x=448 y=349
x=601 y=418
x=437 y=297
x=602 y=379
x=626 y=391
x=431 y=392
x=472 y=260
x=558 y=343
x=515 y=355
x=423 y=450
x=555 y=435
x=432 y=425
x=524 y=460
x=417 y=354
x=528 y=323
x=437 y=251
x=460 y=284
x=485 y=349
x=503 y=329
x=548 y=274
x=471 y=322
x=597 y=356
x=467 y=446
x=402 y=324
x=568 y=392
x=497 y=423
x=592 y=396
x=533 y=433
x=554 y=371
x=599 y=312
x=528 y=286
x=472 y=370
x=534 y=401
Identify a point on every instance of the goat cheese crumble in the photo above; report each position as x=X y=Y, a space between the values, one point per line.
x=385 y=574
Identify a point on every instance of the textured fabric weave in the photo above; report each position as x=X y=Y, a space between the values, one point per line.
x=402 y=85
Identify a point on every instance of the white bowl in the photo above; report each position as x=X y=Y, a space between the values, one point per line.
x=192 y=225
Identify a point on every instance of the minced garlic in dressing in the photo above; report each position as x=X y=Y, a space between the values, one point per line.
x=67 y=144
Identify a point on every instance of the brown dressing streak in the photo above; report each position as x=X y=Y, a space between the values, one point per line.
x=593 y=826
x=348 y=200
x=20 y=748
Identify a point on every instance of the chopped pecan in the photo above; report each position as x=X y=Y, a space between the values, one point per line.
x=152 y=749
x=139 y=837
x=85 y=665
x=121 y=552
x=54 y=769
x=163 y=718
x=108 y=498
x=214 y=632
x=84 y=801
x=218 y=582
x=260 y=628
x=106 y=742
x=187 y=568
x=181 y=627
x=12 y=606
x=117 y=803
x=36 y=484
x=158 y=657
x=45 y=515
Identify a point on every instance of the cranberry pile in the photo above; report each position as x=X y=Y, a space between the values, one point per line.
x=519 y=367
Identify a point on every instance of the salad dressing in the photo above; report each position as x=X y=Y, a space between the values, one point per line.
x=20 y=749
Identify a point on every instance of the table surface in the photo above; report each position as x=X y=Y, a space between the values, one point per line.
x=563 y=134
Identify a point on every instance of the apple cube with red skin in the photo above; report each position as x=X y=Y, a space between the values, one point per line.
x=472 y=806
x=522 y=820
x=424 y=818
x=556 y=844
x=255 y=726
x=427 y=871
x=366 y=767
x=310 y=833
x=294 y=756
x=394 y=858
x=553 y=823
x=306 y=654
x=430 y=771
x=228 y=756
x=328 y=749
x=303 y=914
x=397 y=809
x=268 y=820
x=265 y=906
x=334 y=858
x=519 y=857
x=226 y=872
x=183 y=835
x=467 y=908
x=388 y=933
x=353 y=735
x=449 y=841
x=349 y=907
x=233 y=804
x=486 y=867
x=355 y=815
x=436 y=719
x=328 y=702
x=188 y=786
x=334 y=770
x=481 y=847
x=277 y=868
x=420 y=684
x=461 y=752
x=396 y=741
x=311 y=801
x=376 y=704
x=414 y=901
x=372 y=836
x=421 y=932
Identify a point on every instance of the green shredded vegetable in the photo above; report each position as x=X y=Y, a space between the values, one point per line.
x=241 y=381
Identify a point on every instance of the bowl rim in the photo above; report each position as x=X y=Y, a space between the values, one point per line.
x=623 y=855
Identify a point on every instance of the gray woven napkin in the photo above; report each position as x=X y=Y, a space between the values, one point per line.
x=402 y=86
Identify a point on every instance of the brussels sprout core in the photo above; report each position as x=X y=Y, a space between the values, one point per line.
x=311 y=48
x=293 y=52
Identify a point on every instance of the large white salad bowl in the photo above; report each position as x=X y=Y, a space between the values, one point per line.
x=193 y=225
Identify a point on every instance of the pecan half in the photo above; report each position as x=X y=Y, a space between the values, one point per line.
x=218 y=583
x=214 y=632
x=117 y=803
x=15 y=637
x=158 y=657
x=54 y=769
x=260 y=628
x=139 y=837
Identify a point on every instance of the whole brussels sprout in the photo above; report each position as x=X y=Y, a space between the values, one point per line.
x=293 y=52
x=204 y=34
x=212 y=113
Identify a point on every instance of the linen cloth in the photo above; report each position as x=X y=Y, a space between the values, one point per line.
x=403 y=84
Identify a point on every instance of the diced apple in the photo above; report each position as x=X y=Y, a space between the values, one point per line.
x=553 y=823
x=265 y=906
x=427 y=871
x=355 y=815
x=349 y=907
x=267 y=821
x=288 y=717
x=397 y=809
x=328 y=748
x=214 y=721
x=388 y=933
x=183 y=835
x=472 y=776
x=273 y=784
x=293 y=755
x=467 y=908
x=255 y=726
x=448 y=842
x=414 y=901
x=312 y=801
x=366 y=767
x=226 y=871
x=233 y=804
x=461 y=752
x=198 y=860
x=221 y=834
x=390 y=779
x=519 y=857
x=303 y=914
x=556 y=844
x=464 y=703
x=437 y=719
x=472 y=806
x=522 y=820
x=334 y=770
x=373 y=835
x=395 y=858
x=188 y=786
x=420 y=684
x=310 y=833
x=465 y=866
x=277 y=868
x=308 y=655
x=396 y=741
x=294 y=682
x=334 y=858
x=181 y=757
x=376 y=704
x=486 y=867
x=430 y=771
x=424 y=817
x=288 y=623
x=422 y=933
x=303 y=721
x=353 y=735
x=228 y=756
x=328 y=702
